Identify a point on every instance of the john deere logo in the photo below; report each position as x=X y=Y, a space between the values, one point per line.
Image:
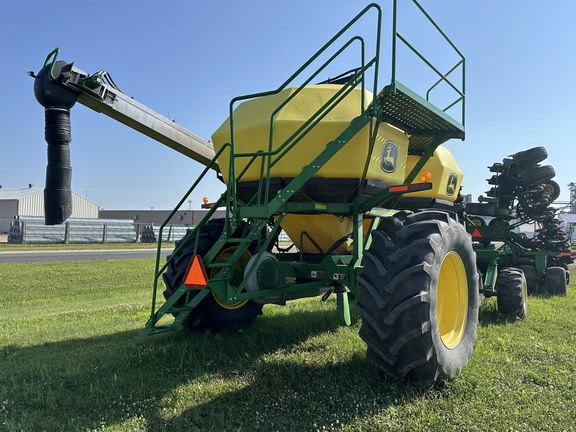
x=389 y=157
x=452 y=182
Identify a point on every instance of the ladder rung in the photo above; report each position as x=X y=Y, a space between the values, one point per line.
x=240 y=240
x=220 y=264
x=178 y=309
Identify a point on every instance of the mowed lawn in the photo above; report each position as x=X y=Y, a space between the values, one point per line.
x=72 y=359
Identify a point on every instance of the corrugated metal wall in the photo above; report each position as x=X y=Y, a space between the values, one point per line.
x=31 y=203
x=82 y=208
x=8 y=209
x=34 y=206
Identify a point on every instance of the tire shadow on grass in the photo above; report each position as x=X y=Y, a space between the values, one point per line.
x=489 y=315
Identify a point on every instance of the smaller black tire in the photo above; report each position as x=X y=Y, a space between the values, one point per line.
x=556 y=280
x=538 y=175
x=477 y=221
x=530 y=156
x=551 y=190
x=531 y=276
x=481 y=209
x=512 y=292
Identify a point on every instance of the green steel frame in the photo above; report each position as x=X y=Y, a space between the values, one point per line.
x=514 y=250
x=427 y=126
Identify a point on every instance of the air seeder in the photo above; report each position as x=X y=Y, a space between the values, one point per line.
x=357 y=177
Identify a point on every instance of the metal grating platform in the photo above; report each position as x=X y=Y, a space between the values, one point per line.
x=425 y=123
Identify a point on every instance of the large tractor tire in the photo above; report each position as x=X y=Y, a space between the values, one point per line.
x=211 y=313
x=556 y=280
x=419 y=298
x=512 y=292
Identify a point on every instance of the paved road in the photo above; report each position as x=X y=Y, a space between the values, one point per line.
x=44 y=256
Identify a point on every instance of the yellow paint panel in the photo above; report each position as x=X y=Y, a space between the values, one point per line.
x=252 y=121
x=446 y=175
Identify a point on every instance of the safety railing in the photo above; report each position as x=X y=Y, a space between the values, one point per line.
x=271 y=156
x=459 y=66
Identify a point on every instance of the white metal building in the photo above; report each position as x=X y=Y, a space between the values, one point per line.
x=568 y=223
x=30 y=202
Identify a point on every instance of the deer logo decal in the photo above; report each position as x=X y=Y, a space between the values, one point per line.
x=389 y=157
x=452 y=182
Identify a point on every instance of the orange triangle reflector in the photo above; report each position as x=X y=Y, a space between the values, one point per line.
x=195 y=276
x=476 y=233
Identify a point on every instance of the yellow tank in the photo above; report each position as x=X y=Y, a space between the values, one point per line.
x=334 y=182
x=446 y=175
x=318 y=233
x=252 y=133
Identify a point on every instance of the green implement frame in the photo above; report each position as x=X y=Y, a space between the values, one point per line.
x=513 y=250
x=259 y=217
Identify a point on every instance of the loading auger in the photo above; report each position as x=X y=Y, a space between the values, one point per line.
x=57 y=87
x=356 y=175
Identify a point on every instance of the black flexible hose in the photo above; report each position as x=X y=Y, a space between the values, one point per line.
x=58 y=192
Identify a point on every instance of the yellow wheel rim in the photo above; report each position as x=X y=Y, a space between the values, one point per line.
x=452 y=300
x=548 y=190
x=477 y=221
x=224 y=256
x=524 y=293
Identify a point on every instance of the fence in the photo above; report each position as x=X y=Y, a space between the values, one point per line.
x=31 y=229
x=150 y=234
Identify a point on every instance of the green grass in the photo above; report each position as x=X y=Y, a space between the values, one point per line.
x=72 y=360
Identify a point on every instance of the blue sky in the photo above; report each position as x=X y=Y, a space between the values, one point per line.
x=187 y=59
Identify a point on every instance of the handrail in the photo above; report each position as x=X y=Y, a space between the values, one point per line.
x=310 y=61
x=442 y=77
x=54 y=53
x=320 y=113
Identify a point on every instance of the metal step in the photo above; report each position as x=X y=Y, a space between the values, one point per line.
x=425 y=123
